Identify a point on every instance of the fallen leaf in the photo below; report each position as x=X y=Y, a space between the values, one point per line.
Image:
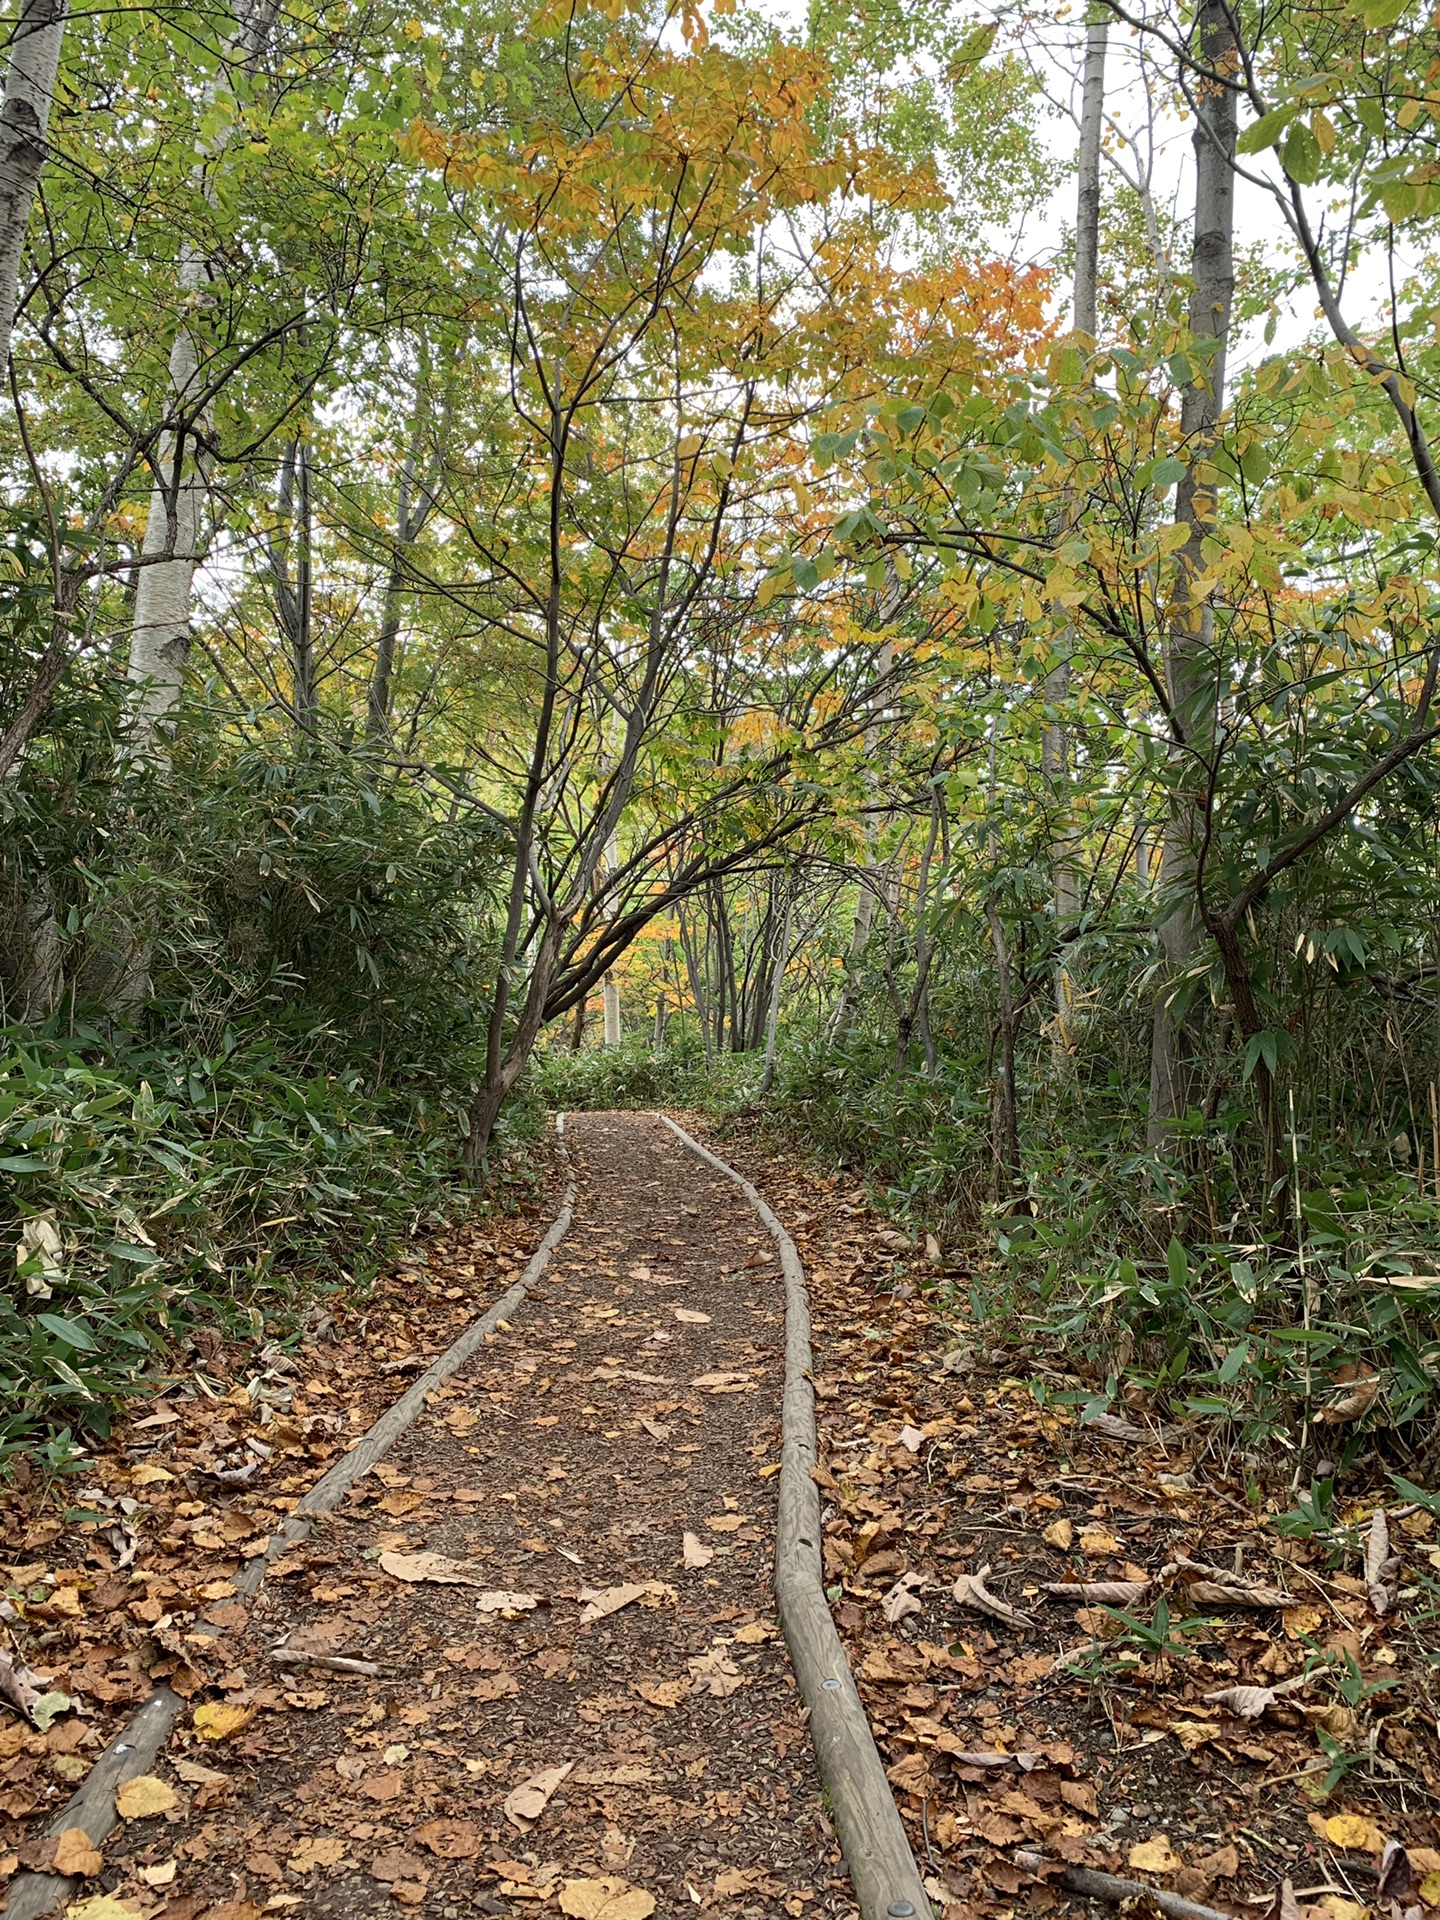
x=715 y=1673
x=755 y=1634
x=1060 y=1534
x=500 y=1601
x=104 y=1906
x=602 y=1601
x=437 y=1568
x=696 y=1553
x=900 y=1601
x=220 y=1720
x=1095 y=1540
x=525 y=1804
x=726 y=1522
x=970 y=1591
x=1354 y=1833
x=160 y=1875
x=194 y=1775
x=605 y=1899
x=74 y=1855
x=1099 y=1593
x=1155 y=1855
x=912 y=1439
x=395 y=1866
x=143 y=1797
x=691 y=1317
x=451 y=1839
x=663 y=1693
x=320 y=1850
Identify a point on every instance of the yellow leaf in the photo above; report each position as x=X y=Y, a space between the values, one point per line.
x=322 y=1850
x=1354 y=1832
x=605 y=1899
x=1155 y=1855
x=75 y=1857
x=144 y=1797
x=1339 y=1908
x=1097 y=1540
x=221 y=1719
x=1429 y=1889
x=1059 y=1533
x=101 y=1906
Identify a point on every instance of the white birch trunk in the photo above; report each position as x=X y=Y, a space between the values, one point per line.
x=171 y=550
x=612 y=1010
x=24 y=120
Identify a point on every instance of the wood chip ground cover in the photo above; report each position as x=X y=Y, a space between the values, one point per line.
x=594 y=1714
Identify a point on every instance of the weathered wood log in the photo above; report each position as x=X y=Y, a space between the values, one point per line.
x=867 y=1822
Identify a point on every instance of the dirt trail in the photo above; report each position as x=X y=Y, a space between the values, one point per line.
x=634 y=1402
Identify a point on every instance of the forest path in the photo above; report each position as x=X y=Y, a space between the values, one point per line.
x=633 y=1402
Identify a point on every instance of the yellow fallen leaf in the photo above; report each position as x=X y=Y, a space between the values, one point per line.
x=75 y=1857
x=1155 y=1855
x=1429 y=1889
x=605 y=1899
x=1354 y=1832
x=1191 y=1733
x=663 y=1693
x=1097 y=1540
x=755 y=1635
x=321 y=1850
x=1060 y=1534
x=144 y=1797
x=1339 y=1908
x=1300 y=1622
x=221 y=1719
x=102 y=1906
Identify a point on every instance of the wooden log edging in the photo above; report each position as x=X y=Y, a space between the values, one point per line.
x=136 y=1748
x=867 y=1822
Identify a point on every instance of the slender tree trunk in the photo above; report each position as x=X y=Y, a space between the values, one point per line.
x=777 y=983
x=577 y=1025
x=865 y=899
x=1190 y=665
x=1054 y=743
x=1007 y=1122
x=697 y=986
x=611 y=988
x=24 y=119
x=658 y=1043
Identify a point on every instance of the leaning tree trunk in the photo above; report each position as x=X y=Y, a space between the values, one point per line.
x=24 y=119
x=1190 y=665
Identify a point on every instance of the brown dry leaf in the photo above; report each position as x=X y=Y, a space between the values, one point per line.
x=970 y=1591
x=1362 y=1389
x=1222 y=1864
x=912 y=1439
x=1154 y=1855
x=395 y=1866
x=220 y=1720
x=727 y=1382
x=1250 y=1702
x=695 y=1551
x=900 y=1601
x=1239 y=1593
x=142 y=1797
x=437 y=1568
x=499 y=1600
x=715 y=1673
x=656 y=1429
x=104 y=1906
x=754 y=1635
x=319 y=1850
x=1378 y=1564
x=525 y=1804
x=601 y=1601
x=726 y=1522
x=691 y=1318
x=451 y=1839
x=1286 y=1906
x=194 y=1775
x=1301 y=1622
x=75 y=1857
x=1099 y=1593
x=605 y=1899
x=663 y=1693
x=1059 y=1534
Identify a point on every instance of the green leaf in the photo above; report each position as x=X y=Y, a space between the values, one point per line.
x=1301 y=156
x=1233 y=1363
x=70 y=1332
x=1177 y=1264
x=1266 y=131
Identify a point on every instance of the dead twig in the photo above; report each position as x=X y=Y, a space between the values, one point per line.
x=1108 y=1886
